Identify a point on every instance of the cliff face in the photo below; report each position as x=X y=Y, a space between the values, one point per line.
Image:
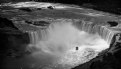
x=13 y=41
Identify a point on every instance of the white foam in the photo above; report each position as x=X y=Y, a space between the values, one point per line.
x=62 y=38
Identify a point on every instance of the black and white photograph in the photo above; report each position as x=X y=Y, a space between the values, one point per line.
x=60 y=34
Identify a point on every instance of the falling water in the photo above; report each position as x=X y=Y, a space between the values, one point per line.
x=92 y=28
x=60 y=40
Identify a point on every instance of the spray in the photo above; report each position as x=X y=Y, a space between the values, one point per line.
x=61 y=40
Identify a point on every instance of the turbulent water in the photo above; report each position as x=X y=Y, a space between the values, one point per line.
x=60 y=40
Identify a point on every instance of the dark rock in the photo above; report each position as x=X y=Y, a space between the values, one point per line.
x=112 y=23
x=4 y=22
x=25 y=9
x=50 y=7
x=40 y=23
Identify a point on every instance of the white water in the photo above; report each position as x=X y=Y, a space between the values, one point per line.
x=61 y=40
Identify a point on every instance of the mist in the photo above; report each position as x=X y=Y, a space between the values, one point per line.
x=60 y=40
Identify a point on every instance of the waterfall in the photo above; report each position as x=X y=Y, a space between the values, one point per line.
x=62 y=32
x=36 y=36
x=61 y=38
x=107 y=34
x=91 y=28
